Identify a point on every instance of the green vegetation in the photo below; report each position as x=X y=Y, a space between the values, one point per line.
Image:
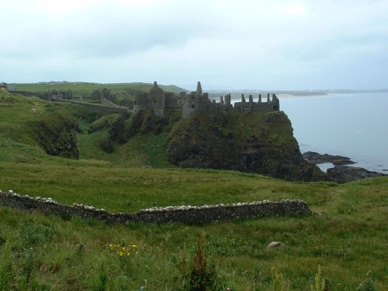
x=255 y=142
x=343 y=248
x=84 y=89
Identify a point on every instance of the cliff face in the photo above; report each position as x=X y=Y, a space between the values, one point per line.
x=257 y=143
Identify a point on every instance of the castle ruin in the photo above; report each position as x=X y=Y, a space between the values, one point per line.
x=159 y=101
x=156 y=99
x=197 y=101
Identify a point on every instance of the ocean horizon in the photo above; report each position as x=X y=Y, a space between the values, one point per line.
x=354 y=125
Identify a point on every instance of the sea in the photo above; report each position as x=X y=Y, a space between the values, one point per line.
x=353 y=125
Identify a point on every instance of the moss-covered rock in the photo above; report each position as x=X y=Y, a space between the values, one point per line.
x=123 y=127
x=145 y=122
x=260 y=143
x=106 y=145
x=55 y=132
x=117 y=130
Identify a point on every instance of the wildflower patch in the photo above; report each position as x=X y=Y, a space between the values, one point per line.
x=124 y=250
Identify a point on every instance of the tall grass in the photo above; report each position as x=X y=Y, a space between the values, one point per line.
x=76 y=253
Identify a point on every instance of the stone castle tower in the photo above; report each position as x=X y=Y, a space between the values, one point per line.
x=155 y=99
x=196 y=102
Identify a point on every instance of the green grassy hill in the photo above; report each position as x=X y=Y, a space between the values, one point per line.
x=84 y=89
x=347 y=242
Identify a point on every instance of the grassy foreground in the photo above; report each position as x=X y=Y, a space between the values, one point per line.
x=344 y=247
x=348 y=240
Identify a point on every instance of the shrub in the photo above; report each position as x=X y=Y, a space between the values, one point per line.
x=319 y=282
x=201 y=276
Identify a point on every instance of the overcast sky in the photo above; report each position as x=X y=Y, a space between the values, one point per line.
x=225 y=44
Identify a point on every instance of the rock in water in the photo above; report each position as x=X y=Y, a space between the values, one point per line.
x=345 y=174
x=316 y=158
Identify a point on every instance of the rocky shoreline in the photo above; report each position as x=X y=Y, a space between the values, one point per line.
x=316 y=158
x=341 y=172
x=345 y=174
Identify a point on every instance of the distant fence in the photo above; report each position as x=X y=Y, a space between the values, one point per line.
x=193 y=215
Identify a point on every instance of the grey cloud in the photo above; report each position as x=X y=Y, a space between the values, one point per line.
x=248 y=43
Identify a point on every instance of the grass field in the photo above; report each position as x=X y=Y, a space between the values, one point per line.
x=344 y=246
x=84 y=89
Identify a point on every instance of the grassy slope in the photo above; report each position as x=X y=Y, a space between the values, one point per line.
x=85 y=89
x=348 y=240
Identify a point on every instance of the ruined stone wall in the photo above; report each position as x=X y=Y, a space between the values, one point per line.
x=141 y=101
x=249 y=104
x=55 y=95
x=196 y=102
x=4 y=86
x=157 y=100
x=199 y=102
x=174 y=214
x=173 y=101
x=259 y=106
x=189 y=105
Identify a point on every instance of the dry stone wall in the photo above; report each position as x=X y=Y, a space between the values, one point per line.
x=193 y=215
